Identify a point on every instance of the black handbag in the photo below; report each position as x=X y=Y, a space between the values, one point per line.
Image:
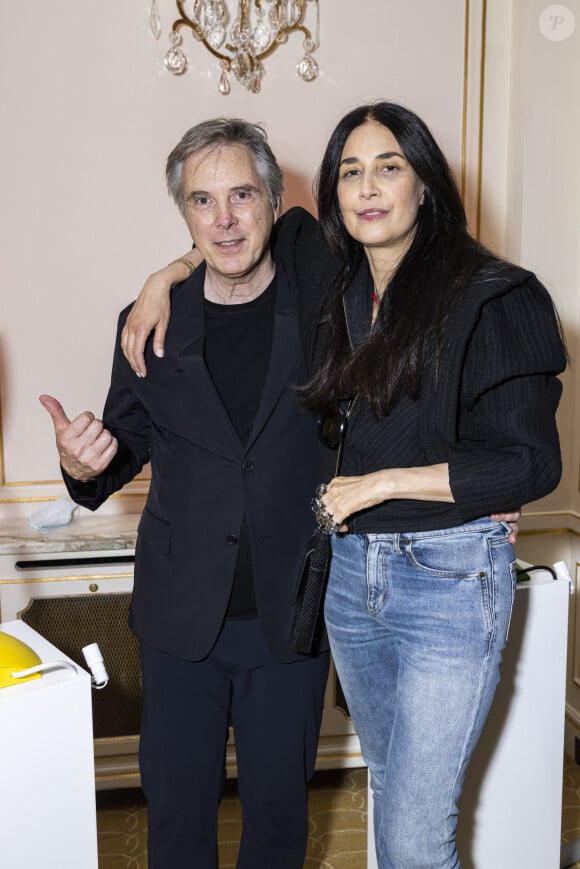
x=315 y=570
x=316 y=564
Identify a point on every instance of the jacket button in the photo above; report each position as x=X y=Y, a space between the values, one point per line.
x=231 y=539
x=248 y=466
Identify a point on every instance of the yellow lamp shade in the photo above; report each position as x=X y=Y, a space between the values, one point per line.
x=14 y=656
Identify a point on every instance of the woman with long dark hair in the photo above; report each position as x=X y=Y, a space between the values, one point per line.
x=450 y=356
x=435 y=374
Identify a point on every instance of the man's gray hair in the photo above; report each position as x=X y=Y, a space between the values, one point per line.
x=225 y=131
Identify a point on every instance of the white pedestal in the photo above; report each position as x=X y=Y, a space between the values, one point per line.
x=510 y=810
x=47 y=788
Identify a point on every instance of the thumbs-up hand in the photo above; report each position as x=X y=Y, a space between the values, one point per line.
x=85 y=446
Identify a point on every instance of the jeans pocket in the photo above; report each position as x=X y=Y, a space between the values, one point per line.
x=453 y=557
x=459 y=569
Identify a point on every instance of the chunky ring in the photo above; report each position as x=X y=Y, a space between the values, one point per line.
x=326 y=521
x=316 y=502
x=329 y=526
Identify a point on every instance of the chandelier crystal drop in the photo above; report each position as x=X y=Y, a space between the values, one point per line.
x=155 y=20
x=241 y=34
x=175 y=60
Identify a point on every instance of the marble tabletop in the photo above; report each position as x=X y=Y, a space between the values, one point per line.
x=82 y=534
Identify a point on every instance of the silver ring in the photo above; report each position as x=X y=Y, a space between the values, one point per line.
x=330 y=527
x=326 y=521
x=324 y=518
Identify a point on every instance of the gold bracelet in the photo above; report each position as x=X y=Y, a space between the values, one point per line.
x=186 y=262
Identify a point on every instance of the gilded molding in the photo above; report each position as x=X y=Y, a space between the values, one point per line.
x=2 y=465
x=575 y=661
x=83 y=577
x=481 y=118
x=462 y=182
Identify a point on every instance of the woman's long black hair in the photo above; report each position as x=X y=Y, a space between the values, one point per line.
x=435 y=269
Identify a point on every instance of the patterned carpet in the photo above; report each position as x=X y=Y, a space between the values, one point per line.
x=338 y=820
x=571 y=803
x=337 y=838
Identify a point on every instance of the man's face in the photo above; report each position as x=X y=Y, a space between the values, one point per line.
x=228 y=211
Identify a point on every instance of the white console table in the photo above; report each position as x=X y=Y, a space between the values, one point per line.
x=510 y=811
x=47 y=795
x=72 y=584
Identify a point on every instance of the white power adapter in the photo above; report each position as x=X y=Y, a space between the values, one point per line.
x=562 y=572
x=96 y=665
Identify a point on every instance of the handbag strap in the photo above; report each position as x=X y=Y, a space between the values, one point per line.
x=340 y=449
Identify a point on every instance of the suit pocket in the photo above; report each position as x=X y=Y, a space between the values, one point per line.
x=155 y=531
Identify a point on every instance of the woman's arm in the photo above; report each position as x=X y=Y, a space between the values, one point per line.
x=348 y=495
x=508 y=450
x=296 y=242
x=151 y=310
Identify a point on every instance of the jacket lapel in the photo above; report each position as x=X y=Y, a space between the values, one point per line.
x=284 y=356
x=178 y=389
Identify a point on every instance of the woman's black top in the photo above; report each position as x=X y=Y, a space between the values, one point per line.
x=495 y=396
x=490 y=411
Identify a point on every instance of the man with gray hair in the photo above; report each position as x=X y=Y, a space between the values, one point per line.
x=233 y=466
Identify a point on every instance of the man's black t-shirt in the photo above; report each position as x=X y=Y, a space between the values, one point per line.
x=238 y=343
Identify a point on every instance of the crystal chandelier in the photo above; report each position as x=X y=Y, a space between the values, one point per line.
x=241 y=34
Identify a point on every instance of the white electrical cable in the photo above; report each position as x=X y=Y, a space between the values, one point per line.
x=95 y=663
x=43 y=668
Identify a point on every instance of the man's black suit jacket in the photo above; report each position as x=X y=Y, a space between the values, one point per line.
x=203 y=480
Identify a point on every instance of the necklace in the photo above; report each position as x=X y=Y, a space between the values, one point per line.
x=376 y=299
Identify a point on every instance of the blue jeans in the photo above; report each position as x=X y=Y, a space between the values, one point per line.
x=417 y=625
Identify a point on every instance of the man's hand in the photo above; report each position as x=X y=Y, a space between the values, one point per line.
x=512 y=519
x=85 y=446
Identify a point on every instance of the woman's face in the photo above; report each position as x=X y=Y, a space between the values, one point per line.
x=379 y=193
